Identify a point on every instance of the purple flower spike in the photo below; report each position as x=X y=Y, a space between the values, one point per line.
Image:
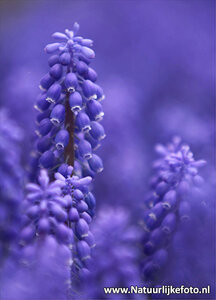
x=170 y=207
x=65 y=207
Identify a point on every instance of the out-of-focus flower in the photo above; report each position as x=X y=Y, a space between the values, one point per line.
x=43 y=272
x=114 y=262
x=169 y=203
x=45 y=212
x=11 y=182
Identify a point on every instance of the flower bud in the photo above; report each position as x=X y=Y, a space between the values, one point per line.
x=92 y=75
x=90 y=240
x=89 y=89
x=81 y=228
x=169 y=223
x=73 y=215
x=87 y=52
x=54 y=59
x=78 y=194
x=83 y=122
x=90 y=200
x=82 y=68
x=43 y=226
x=51 y=48
x=56 y=71
x=82 y=206
x=94 y=110
x=71 y=82
x=47 y=159
x=53 y=93
x=41 y=103
x=57 y=115
x=46 y=82
x=169 y=199
x=62 y=139
x=84 y=215
x=85 y=149
x=162 y=188
x=99 y=93
x=95 y=163
x=44 y=143
x=94 y=143
x=65 y=58
x=44 y=127
x=83 y=250
x=75 y=101
x=97 y=131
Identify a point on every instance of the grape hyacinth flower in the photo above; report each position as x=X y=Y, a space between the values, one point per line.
x=61 y=209
x=67 y=134
x=169 y=203
x=69 y=108
x=11 y=182
x=114 y=262
x=80 y=210
x=46 y=214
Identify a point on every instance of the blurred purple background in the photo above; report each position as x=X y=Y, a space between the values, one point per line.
x=155 y=61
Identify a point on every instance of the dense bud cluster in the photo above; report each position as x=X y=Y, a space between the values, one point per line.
x=60 y=209
x=173 y=187
x=69 y=108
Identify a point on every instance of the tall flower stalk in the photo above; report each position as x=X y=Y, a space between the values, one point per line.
x=168 y=204
x=69 y=108
x=59 y=203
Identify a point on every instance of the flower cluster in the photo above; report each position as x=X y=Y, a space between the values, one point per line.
x=11 y=175
x=168 y=204
x=60 y=209
x=68 y=128
x=80 y=212
x=115 y=254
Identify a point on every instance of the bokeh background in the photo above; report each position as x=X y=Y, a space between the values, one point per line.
x=155 y=61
